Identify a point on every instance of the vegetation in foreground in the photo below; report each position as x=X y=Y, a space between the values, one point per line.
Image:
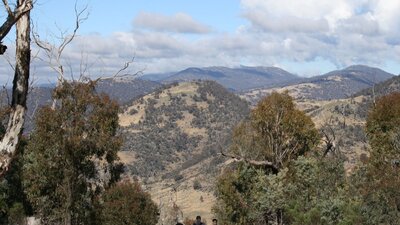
x=295 y=183
x=66 y=171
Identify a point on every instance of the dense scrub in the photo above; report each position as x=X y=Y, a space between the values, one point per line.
x=210 y=109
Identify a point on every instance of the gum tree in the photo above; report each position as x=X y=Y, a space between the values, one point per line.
x=20 y=16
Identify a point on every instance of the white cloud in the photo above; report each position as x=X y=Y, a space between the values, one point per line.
x=344 y=32
x=387 y=14
x=296 y=16
x=180 y=23
x=341 y=32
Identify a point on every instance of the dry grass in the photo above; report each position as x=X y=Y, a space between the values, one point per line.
x=296 y=91
x=185 y=125
x=127 y=157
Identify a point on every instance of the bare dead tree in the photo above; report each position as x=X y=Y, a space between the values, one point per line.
x=21 y=17
x=329 y=139
x=54 y=52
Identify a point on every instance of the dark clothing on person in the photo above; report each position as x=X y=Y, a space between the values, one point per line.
x=201 y=223
x=198 y=221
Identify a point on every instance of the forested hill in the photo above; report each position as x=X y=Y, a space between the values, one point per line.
x=383 y=88
x=179 y=126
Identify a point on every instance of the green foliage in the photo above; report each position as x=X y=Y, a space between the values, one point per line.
x=197 y=185
x=235 y=195
x=383 y=127
x=17 y=214
x=277 y=132
x=69 y=152
x=380 y=186
x=317 y=193
x=13 y=202
x=283 y=127
x=300 y=189
x=126 y=203
x=309 y=191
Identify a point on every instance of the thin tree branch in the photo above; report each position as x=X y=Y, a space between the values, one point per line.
x=13 y=17
x=118 y=73
x=9 y=11
x=265 y=163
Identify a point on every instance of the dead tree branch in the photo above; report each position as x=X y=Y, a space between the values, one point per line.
x=122 y=69
x=263 y=163
x=53 y=52
x=329 y=139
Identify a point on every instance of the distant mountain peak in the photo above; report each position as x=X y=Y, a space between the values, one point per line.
x=242 y=78
x=359 y=67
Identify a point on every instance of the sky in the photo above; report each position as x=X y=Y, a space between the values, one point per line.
x=305 y=37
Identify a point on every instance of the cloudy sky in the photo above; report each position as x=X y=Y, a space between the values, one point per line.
x=306 y=37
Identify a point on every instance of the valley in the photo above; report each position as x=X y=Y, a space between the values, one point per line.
x=174 y=135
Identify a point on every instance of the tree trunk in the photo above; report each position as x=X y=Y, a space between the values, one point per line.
x=279 y=216
x=10 y=141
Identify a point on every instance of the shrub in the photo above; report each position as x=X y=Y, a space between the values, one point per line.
x=127 y=203
x=196 y=185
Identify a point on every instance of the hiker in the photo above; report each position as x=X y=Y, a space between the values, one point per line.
x=198 y=221
x=215 y=222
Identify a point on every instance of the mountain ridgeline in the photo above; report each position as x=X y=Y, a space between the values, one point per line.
x=344 y=83
x=337 y=84
x=179 y=126
x=124 y=90
x=236 y=79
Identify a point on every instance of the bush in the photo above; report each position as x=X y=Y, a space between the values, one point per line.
x=16 y=214
x=127 y=203
x=196 y=185
x=178 y=177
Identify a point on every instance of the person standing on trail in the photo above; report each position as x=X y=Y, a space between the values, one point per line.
x=215 y=222
x=198 y=221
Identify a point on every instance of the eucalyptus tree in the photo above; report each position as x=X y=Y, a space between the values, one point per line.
x=14 y=121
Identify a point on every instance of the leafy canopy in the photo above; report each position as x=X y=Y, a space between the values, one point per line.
x=127 y=203
x=70 y=153
x=277 y=132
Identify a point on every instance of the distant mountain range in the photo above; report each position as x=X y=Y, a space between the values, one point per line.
x=236 y=79
x=346 y=82
x=124 y=90
x=337 y=84
x=247 y=78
